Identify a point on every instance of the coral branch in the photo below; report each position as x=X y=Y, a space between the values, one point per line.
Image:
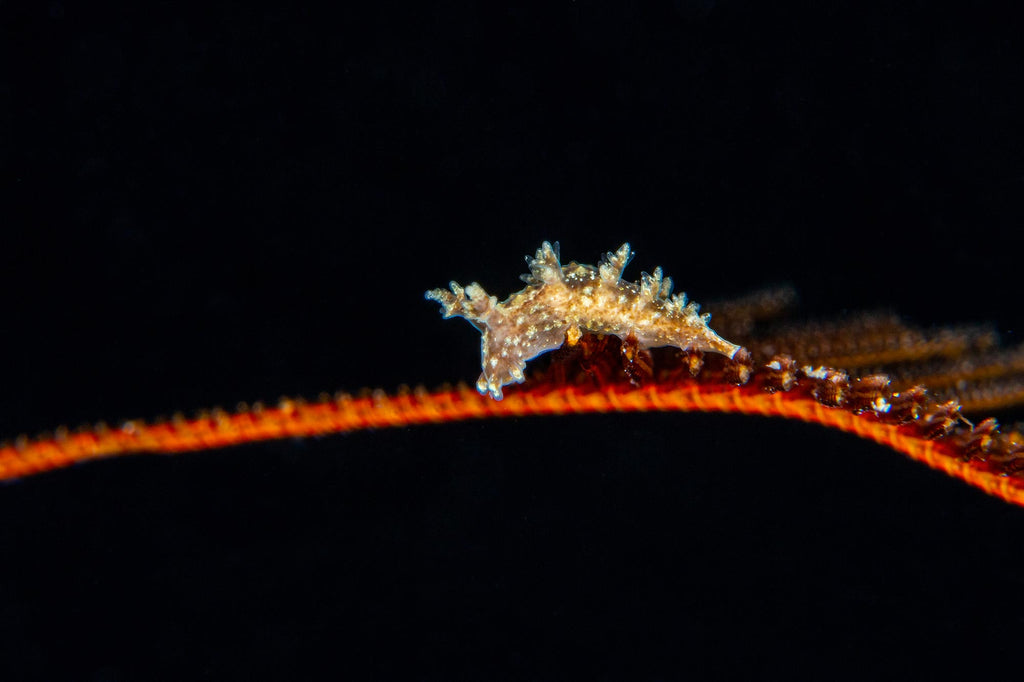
x=958 y=453
x=635 y=347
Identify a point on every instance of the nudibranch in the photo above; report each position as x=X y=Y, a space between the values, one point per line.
x=561 y=303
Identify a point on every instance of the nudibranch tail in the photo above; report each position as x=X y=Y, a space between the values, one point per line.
x=560 y=302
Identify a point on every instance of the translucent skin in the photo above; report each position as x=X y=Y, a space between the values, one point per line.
x=559 y=304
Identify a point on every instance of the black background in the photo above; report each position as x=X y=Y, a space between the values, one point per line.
x=233 y=202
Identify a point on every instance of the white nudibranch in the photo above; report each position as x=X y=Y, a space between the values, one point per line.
x=560 y=303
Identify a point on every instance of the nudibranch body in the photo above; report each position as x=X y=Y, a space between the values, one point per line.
x=560 y=303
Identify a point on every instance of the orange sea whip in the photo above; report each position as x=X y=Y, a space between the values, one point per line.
x=606 y=366
x=931 y=434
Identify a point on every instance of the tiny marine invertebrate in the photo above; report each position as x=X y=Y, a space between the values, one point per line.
x=631 y=347
x=560 y=304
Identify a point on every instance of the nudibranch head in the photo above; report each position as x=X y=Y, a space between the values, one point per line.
x=560 y=303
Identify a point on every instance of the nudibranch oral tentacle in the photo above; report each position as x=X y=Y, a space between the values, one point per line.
x=560 y=303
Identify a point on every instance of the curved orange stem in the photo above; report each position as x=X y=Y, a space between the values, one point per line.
x=378 y=410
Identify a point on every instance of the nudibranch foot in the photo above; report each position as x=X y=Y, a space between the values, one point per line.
x=560 y=303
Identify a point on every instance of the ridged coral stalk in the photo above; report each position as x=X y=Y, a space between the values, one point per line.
x=950 y=453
